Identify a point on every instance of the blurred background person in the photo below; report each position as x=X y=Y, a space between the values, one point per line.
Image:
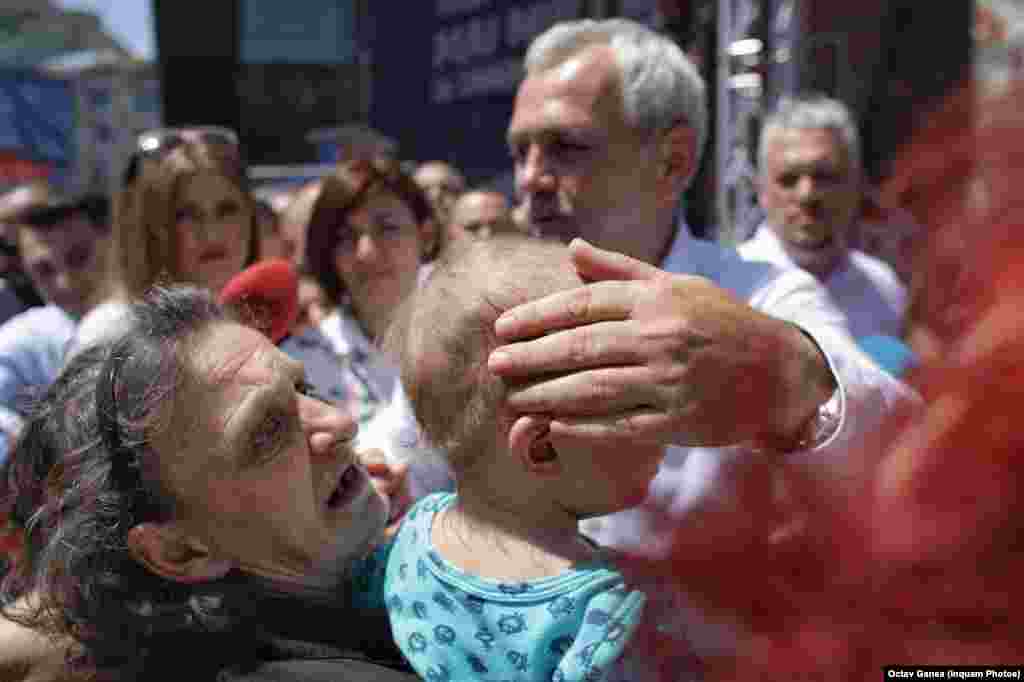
x=364 y=244
x=479 y=214
x=295 y=217
x=442 y=184
x=187 y=216
x=810 y=187
x=314 y=305
x=268 y=225
x=16 y=291
x=62 y=243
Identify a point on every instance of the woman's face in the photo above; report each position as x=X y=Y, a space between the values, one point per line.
x=378 y=254
x=214 y=220
x=266 y=475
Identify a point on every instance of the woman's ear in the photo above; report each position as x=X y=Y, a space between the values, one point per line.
x=164 y=550
x=529 y=442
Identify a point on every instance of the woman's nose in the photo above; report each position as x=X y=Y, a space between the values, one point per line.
x=366 y=247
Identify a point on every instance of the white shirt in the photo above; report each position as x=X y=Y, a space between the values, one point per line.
x=386 y=419
x=867 y=290
x=864 y=396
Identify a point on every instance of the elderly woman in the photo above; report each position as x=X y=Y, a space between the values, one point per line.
x=200 y=510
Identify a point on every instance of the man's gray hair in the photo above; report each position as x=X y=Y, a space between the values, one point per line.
x=812 y=112
x=660 y=85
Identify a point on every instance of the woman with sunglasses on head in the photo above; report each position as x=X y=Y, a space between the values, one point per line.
x=186 y=215
x=183 y=215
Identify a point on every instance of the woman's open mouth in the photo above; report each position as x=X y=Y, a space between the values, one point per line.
x=350 y=484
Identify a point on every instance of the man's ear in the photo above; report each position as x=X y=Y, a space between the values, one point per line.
x=677 y=155
x=166 y=551
x=530 y=443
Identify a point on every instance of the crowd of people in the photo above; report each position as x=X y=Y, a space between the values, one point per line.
x=548 y=438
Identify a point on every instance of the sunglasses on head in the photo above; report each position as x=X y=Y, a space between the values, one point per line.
x=160 y=141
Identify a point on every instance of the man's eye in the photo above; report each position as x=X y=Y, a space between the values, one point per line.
x=565 y=147
x=309 y=390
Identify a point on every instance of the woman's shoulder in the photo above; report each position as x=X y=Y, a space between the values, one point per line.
x=343 y=332
x=105 y=320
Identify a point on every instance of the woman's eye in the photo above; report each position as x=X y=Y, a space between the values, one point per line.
x=185 y=214
x=270 y=434
x=228 y=208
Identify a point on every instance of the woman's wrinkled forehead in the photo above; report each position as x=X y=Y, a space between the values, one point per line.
x=222 y=364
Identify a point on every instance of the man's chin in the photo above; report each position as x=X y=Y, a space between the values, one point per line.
x=562 y=229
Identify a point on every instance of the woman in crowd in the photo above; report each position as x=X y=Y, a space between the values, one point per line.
x=364 y=245
x=200 y=510
x=186 y=215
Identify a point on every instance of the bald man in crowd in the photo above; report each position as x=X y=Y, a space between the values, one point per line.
x=480 y=214
x=443 y=184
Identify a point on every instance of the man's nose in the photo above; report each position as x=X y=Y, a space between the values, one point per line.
x=533 y=172
x=806 y=188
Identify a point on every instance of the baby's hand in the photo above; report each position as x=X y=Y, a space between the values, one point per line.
x=390 y=480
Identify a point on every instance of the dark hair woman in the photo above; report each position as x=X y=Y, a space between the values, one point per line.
x=199 y=512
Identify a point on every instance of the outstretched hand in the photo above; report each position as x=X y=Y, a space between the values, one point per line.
x=643 y=354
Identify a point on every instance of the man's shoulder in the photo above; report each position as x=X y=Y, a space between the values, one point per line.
x=875 y=269
x=744 y=276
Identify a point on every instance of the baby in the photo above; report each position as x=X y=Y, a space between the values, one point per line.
x=495 y=581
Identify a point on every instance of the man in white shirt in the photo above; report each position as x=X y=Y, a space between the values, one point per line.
x=724 y=359
x=810 y=185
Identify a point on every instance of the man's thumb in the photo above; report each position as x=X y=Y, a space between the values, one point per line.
x=594 y=264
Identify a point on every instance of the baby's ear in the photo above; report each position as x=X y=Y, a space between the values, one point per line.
x=529 y=442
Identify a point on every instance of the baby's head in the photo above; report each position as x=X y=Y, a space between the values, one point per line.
x=442 y=340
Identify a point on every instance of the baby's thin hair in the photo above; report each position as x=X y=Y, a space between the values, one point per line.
x=446 y=331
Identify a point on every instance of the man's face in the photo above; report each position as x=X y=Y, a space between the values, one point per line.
x=442 y=184
x=479 y=215
x=581 y=169
x=254 y=485
x=63 y=261
x=810 y=193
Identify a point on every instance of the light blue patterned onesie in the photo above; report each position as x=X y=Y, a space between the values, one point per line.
x=455 y=626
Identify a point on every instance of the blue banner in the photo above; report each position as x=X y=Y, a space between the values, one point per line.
x=37 y=120
x=445 y=75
